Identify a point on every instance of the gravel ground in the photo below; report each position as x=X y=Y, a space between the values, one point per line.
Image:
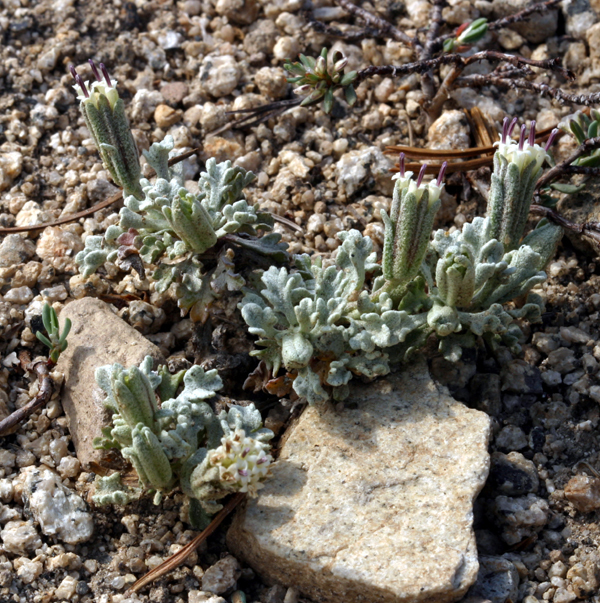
x=181 y=67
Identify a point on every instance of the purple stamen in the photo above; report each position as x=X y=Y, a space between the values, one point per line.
x=402 y=164
x=95 y=70
x=105 y=73
x=505 y=123
x=262 y=460
x=245 y=452
x=243 y=472
x=522 y=137
x=441 y=174
x=532 y=133
x=79 y=81
x=421 y=174
x=551 y=139
x=513 y=123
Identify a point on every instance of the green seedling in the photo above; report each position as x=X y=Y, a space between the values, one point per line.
x=56 y=341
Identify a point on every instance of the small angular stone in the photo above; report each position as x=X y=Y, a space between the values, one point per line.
x=373 y=502
x=222 y=576
x=166 y=116
x=513 y=474
x=174 y=92
x=497 y=581
x=583 y=492
x=97 y=337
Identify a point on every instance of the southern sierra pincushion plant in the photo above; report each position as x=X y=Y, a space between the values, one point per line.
x=179 y=442
x=323 y=324
x=163 y=224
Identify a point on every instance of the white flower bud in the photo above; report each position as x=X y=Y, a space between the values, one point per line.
x=242 y=462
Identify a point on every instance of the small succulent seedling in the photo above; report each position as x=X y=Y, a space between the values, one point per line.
x=56 y=341
x=466 y=34
x=583 y=127
x=320 y=80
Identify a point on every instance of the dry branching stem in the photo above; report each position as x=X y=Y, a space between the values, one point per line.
x=42 y=368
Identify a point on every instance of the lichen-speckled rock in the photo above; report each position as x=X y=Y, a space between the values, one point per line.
x=98 y=337
x=373 y=503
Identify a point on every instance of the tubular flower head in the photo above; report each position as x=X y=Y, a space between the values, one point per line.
x=517 y=167
x=408 y=228
x=243 y=462
x=404 y=180
x=91 y=92
x=523 y=152
x=104 y=114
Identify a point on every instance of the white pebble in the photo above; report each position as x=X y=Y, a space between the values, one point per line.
x=69 y=466
x=6 y=490
x=66 y=589
x=30 y=571
x=20 y=537
x=59 y=511
x=19 y=295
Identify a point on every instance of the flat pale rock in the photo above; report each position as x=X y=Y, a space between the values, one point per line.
x=98 y=337
x=373 y=503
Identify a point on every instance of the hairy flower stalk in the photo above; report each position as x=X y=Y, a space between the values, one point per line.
x=517 y=167
x=408 y=228
x=104 y=114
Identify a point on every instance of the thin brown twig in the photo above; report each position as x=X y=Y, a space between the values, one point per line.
x=354 y=35
x=427 y=81
x=554 y=173
x=420 y=153
x=257 y=115
x=65 y=219
x=542 y=89
x=13 y=421
x=462 y=61
x=178 y=558
x=91 y=210
x=434 y=108
x=587 y=229
x=378 y=23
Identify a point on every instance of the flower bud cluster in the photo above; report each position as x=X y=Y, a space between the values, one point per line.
x=243 y=462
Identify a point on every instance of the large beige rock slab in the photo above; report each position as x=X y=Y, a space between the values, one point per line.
x=373 y=503
x=98 y=336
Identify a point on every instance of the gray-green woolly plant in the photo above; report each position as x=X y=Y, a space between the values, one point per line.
x=179 y=442
x=171 y=227
x=323 y=325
